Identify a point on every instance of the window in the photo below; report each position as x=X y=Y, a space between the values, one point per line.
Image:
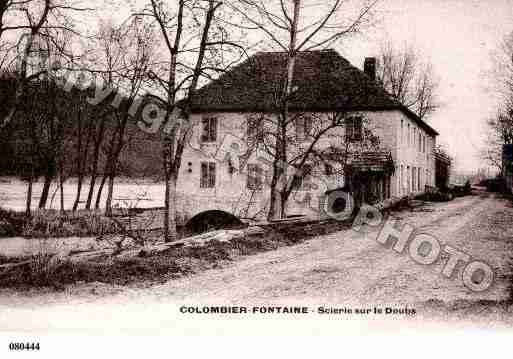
x=208 y=175
x=328 y=169
x=209 y=133
x=401 y=136
x=419 y=173
x=408 y=134
x=255 y=177
x=303 y=127
x=420 y=142
x=408 y=178
x=354 y=129
x=398 y=180
x=401 y=179
x=413 y=179
x=255 y=129
x=305 y=181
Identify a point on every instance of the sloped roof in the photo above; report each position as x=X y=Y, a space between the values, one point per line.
x=375 y=161
x=323 y=81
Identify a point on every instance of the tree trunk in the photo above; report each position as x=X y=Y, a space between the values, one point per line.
x=167 y=153
x=112 y=176
x=283 y=205
x=170 y=209
x=96 y=159
x=117 y=145
x=79 y=190
x=91 y=189
x=277 y=207
x=61 y=190
x=29 y=197
x=109 y=170
x=46 y=190
x=99 y=193
x=110 y=191
x=274 y=193
x=79 y=161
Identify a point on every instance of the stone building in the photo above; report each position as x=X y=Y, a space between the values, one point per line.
x=224 y=112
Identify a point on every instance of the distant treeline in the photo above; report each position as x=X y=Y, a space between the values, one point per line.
x=57 y=134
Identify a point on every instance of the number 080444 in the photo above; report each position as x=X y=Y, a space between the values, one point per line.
x=23 y=346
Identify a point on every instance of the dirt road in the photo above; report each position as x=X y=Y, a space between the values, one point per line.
x=339 y=269
x=352 y=266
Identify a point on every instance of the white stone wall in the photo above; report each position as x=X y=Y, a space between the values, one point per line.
x=231 y=194
x=409 y=156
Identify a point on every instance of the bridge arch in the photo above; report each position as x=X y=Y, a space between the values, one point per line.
x=212 y=220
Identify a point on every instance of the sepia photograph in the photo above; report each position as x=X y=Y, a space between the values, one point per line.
x=254 y=167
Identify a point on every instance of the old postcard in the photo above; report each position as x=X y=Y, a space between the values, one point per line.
x=252 y=167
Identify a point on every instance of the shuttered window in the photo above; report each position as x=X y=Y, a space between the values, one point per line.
x=354 y=129
x=255 y=130
x=305 y=181
x=255 y=177
x=208 y=175
x=303 y=128
x=209 y=133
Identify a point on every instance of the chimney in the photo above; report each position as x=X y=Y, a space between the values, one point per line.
x=369 y=67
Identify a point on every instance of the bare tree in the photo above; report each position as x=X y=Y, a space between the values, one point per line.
x=408 y=78
x=313 y=147
x=98 y=136
x=134 y=51
x=500 y=132
x=501 y=73
x=85 y=126
x=500 y=126
x=44 y=103
x=28 y=20
x=195 y=42
x=286 y=26
x=107 y=62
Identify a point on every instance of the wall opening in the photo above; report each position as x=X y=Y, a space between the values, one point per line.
x=212 y=220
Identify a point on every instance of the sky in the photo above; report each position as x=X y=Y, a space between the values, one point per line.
x=458 y=37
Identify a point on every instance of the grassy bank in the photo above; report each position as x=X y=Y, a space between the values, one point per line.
x=43 y=271
x=53 y=223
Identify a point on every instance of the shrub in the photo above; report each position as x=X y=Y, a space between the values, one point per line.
x=11 y=223
x=7 y=229
x=435 y=196
x=54 y=224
